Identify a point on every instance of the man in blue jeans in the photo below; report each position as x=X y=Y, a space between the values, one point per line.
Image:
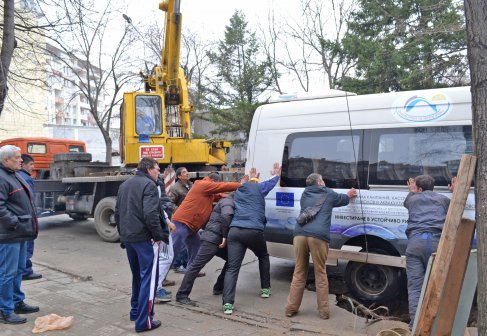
x=427 y=214
x=26 y=173
x=18 y=224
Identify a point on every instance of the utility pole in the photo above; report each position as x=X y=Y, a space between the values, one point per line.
x=476 y=19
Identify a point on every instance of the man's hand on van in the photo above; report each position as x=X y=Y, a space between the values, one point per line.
x=245 y=179
x=412 y=185
x=352 y=193
x=253 y=174
x=451 y=186
x=276 y=169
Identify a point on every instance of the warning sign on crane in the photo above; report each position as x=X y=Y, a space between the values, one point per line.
x=155 y=152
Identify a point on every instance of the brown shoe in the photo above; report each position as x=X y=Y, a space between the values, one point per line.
x=166 y=283
x=325 y=316
x=201 y=274
x=290 y=314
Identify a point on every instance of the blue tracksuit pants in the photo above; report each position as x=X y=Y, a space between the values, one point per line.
x=143 y=260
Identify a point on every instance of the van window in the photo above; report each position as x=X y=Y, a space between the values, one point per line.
x=401 y=153
x=76 y=149
x=36 y=148
x=331 y=154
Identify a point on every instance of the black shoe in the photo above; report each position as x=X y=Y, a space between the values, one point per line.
x=32 y=276
x=217 y=291
x=24 y=308
x=133 y=318
x=185 y=301
x=12 y=319
x=154 y=325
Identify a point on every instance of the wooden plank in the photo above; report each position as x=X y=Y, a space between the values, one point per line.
x=370 y=258
x=453 y=287
x=444 y=254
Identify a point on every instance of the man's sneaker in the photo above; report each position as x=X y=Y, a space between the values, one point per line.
x=186 y=301
x=23 y=308
x=228 y=308
x=12 y=318
x=162 y=296
x=265 y=293
x=180 y=269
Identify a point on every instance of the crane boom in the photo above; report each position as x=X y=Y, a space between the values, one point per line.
x=157 y=122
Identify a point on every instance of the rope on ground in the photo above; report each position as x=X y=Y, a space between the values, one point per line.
x=371 y=314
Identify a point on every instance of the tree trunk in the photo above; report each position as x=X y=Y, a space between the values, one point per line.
x=476 y=17
x=108 y=146
x=8 y=45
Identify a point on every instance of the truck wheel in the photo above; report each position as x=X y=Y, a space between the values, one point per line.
x=78 y=216
x=373 y=283
x=82 y=157
x=105 y=219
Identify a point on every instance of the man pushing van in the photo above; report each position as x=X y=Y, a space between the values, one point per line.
x=427 y=214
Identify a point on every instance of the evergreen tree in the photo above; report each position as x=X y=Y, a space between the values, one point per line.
x=241 y=78
x=406 y=45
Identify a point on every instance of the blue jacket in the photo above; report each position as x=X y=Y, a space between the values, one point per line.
x=427 y=212
x=30 y=181
x=319 y=227
x=249 y=203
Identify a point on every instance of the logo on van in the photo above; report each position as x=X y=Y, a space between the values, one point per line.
x=422 y=108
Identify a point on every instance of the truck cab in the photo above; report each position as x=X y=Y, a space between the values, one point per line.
x=44 y=149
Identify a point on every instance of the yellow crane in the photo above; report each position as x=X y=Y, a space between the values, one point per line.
x=157 y=122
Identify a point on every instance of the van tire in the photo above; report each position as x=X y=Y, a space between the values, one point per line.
x=82 y=157
x=371 y=283
x=105 y=220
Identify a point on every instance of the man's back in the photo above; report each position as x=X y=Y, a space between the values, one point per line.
x=427 y=212
x=137 y=213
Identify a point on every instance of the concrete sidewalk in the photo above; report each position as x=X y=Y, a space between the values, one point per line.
x=99 y=310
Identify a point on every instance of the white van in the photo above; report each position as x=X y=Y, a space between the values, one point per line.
x=373 y=143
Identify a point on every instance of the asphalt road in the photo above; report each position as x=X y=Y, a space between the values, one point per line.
x=73 y=248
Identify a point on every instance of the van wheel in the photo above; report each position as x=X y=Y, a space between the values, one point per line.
x=373 y=283
x=105 y=219
x=82 y=157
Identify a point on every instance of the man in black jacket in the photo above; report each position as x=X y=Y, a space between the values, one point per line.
x=213 y=242
x=18 y=224
x=138 y=215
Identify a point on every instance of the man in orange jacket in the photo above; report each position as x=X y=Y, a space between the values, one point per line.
x=195 y=211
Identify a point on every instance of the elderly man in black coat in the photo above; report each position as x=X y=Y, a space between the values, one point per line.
x=18 y=224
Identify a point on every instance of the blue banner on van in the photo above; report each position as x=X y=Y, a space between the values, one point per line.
x=285 y=199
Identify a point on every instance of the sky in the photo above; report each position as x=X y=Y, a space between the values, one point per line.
x=209 y=18
x=212 y=16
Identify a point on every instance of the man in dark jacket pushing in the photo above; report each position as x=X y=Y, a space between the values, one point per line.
x=138 y=215
x=18 y=224
x=213 y=242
